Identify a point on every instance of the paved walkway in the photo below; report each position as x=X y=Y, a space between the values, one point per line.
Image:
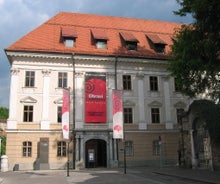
x=109 y=176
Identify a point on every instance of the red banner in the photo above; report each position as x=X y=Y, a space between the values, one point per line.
x=65 y=113
x=117 y=112
x=95 y=98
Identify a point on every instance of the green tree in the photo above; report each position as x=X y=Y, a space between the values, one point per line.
x=195 y=53
x=3 y=145
x=3 y=113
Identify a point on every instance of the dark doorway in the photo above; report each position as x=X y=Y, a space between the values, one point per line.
x=96 y=155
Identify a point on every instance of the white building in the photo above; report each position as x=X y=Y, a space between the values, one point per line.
x=71 y=50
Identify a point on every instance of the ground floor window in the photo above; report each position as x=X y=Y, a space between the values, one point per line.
x=129 y=148
x=27 y=149
x=156 y=148
x=61 y=149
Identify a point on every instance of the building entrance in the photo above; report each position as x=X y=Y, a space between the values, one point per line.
x=96 y=155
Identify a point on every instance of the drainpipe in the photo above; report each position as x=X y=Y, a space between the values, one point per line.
x=73 y=130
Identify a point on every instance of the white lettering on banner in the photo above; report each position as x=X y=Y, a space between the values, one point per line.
x=96 y=96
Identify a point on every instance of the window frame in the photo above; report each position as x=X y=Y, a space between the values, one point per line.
x=59 y=114
x=26 y=149
x=103 y=45
x=70 y=42
x=129 y=148
x=128 y=115
x=62 y=79
x=131 y=45
x=61 y=149
x=156 y=148
x=153 y=80
x=127 y=83
x=29 y=79
x=155 y=116
x=28 y=114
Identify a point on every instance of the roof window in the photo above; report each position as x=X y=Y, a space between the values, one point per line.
x=130 y=40
x=100 y=38
x=156 y=43
x=68 y=36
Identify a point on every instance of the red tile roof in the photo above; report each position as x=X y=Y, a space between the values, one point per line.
x=46 y=38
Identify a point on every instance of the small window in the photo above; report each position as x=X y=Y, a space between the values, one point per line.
x=128 y=116
x=129 y=148
x=61 y=149
x=101 y=44
x=27 y=149
x=155 y=115
x=179 y=114
x=156 y=148
x=29 y=78
x=68 y=36
x=129 y=40
x=153 y=83
x=126 y=82
x=59 y=114
x=159 y=48
x=28 y=113
x=156 y=43
x=62 y=79
x=69 y=42
x=131 y=45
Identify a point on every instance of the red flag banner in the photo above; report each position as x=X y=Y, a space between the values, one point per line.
x=95 y=98
x=117 y=109
x=65 y=113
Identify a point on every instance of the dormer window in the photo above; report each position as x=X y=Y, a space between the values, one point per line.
x=130 y=40
x=101 y=44
x=99 y=38
x=156 y=43
x=69 y=42
x=68 y=35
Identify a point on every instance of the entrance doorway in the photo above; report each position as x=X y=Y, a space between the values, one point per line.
x=96 y=154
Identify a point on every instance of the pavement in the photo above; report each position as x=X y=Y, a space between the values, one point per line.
x=107 y=176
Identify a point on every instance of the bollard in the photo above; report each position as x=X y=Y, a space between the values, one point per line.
x=4 y=163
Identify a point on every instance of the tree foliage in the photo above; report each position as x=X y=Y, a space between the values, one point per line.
x=3 y=113
x=3 y=145
x=195 y=53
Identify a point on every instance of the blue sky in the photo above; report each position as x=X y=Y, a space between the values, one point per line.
x=18 y=17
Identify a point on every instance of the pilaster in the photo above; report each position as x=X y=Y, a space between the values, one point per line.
x=12 y=120
x=45 y=123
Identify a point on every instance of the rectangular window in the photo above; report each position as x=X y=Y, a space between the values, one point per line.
x=179 y=114
x=29 y=78
x=27 y=149
x=156 y=148
x=69 y=42
x=128 y=116
x=126 y=82
x=131 y=45
x=155 y=115
x=129 y=148
x=28 y=113
x=61 y=149
x=59 y=114
x=62 y=79
x=101 y=44
x=153 y=83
